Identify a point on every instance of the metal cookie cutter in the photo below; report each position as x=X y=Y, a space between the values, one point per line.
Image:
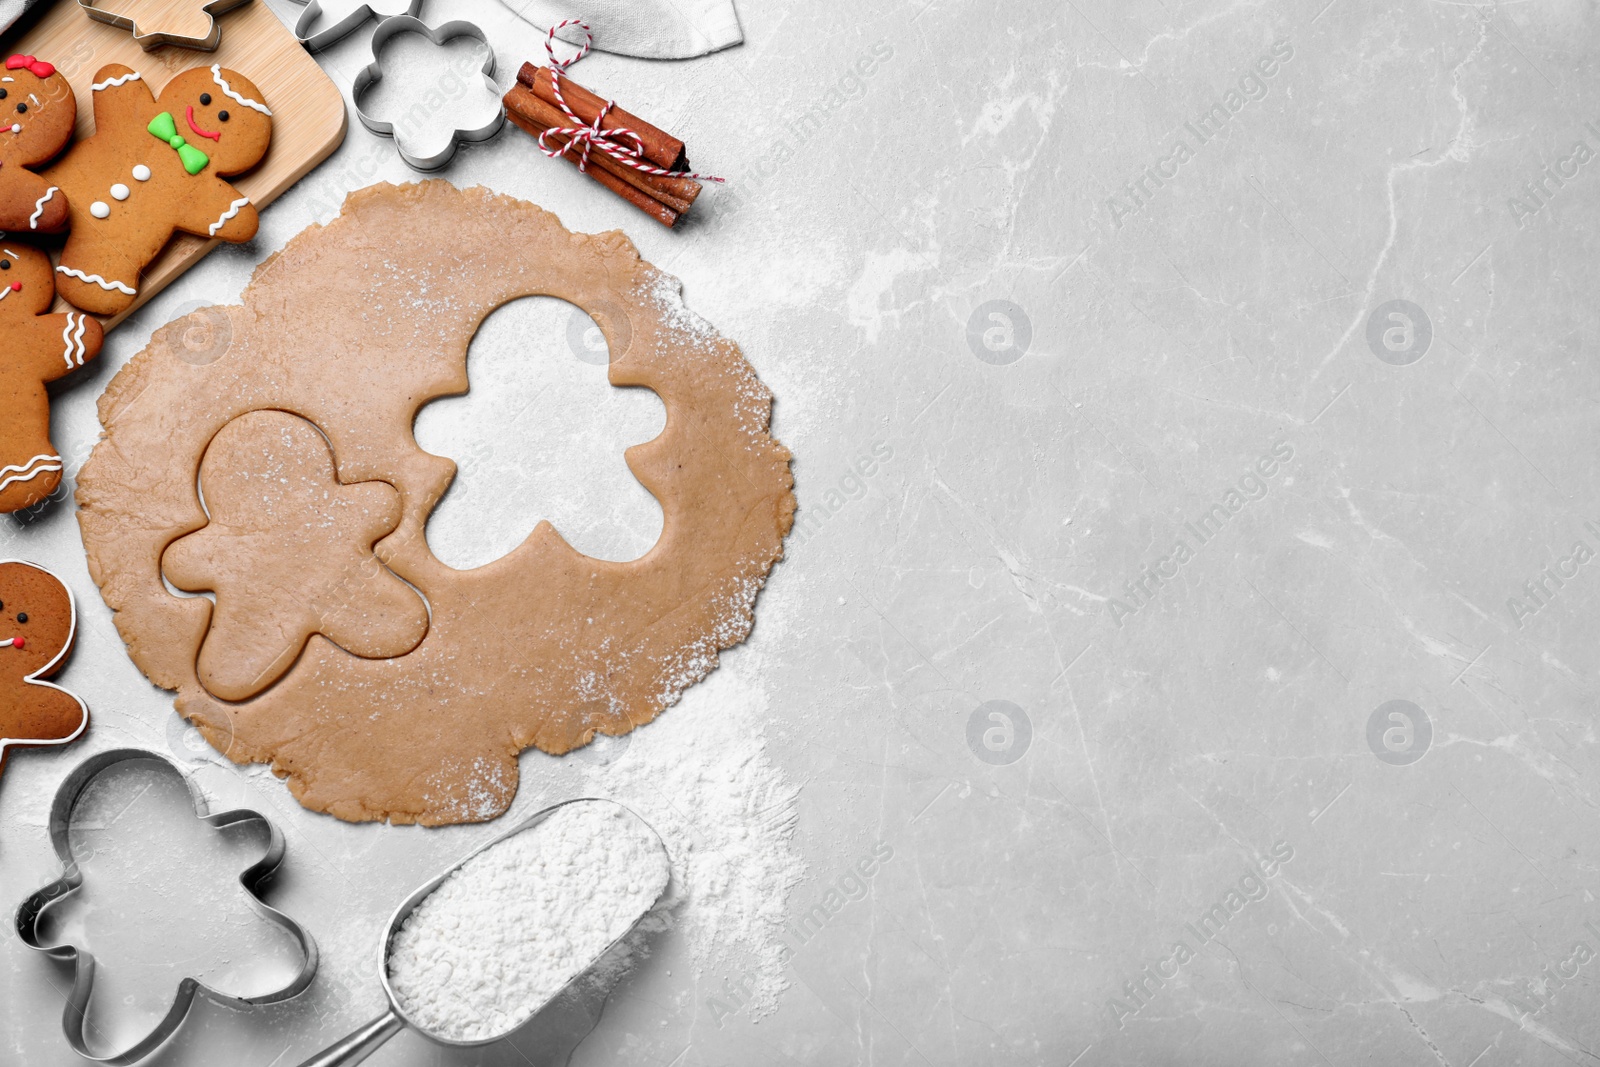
x=373 y=73
x=317 y=40
x=31 y=911
x=105 y=11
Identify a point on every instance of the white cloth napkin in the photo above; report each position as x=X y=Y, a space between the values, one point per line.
x=11 y=10
x=650 y=29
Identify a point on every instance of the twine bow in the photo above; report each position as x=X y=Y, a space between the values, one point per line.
x=38 y=67
x=585 y=138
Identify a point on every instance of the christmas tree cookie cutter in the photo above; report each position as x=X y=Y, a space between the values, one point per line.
x=32 y=911
x=106 y=11
x=438 y=36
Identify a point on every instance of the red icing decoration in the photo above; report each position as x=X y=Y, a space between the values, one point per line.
x=39 y=68
x=190 y=116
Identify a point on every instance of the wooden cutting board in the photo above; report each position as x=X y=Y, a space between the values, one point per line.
x=307 y=108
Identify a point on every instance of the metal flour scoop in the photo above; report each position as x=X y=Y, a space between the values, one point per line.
x=365 y=1041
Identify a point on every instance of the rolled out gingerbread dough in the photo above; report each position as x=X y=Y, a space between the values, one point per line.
x=353 y=327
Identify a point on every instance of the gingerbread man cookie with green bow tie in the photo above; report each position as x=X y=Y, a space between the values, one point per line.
x=155 y=166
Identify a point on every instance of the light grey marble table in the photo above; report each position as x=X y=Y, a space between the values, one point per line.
x=1213 y=640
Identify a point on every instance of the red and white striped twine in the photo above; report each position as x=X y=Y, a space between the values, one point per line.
x=584 y=138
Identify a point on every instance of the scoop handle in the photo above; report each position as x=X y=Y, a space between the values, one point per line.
x=359 y=1045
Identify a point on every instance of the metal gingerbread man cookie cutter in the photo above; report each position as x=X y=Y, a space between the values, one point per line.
x=157 y=38
x=32 y=910
x=328 y=36
x=373 y=73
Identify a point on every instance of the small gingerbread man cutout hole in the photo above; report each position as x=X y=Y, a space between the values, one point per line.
x=541 y=436
x=288 y=553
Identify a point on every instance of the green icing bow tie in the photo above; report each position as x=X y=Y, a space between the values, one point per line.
x=165 y=127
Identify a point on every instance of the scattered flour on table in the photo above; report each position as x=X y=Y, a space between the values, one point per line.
x=701 y=777
x=502 y=935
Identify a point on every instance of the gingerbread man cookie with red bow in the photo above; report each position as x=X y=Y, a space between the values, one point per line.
x=38 y=621
x=37 y=113
x=38 y=348
x=155 y=166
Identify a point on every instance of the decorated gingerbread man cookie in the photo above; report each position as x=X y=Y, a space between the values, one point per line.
x=155 y=166
x=37 y=113
x=277 y=509
x=38 y=348
x=37 y=622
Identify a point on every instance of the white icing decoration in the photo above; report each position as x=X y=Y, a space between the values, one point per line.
x=233 y=209
x=131 y=76
x=16 y=127
x=35 y=100
x=120 y=192
x=73 y=349
x=227 y=90
x=96 y=279
x=141 y=173
x=7 y=79
x=100 y=209
x=6 y=291
x=38 y=207
x=30 y=470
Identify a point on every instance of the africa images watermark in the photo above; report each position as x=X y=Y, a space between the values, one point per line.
x=1252 y=86
x=1556 y=975
x=1541 y=590
x=848 y=888
x=1540 y=190
x=1143 y=590
x=803 y=125
x=852 y=485
x=1140 y=990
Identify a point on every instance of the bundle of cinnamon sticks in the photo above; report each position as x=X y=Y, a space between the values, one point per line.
x=532 y=104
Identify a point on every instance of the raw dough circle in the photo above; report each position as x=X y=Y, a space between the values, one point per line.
x=354 y=326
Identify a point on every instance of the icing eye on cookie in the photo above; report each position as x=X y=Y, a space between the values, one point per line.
x=22 y=616
x=205 y=99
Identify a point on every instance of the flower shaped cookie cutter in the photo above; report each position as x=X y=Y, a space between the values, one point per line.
x=106 y=11
x=32 y=911
x=373 y=73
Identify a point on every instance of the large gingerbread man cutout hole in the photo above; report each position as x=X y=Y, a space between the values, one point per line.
x=541 y=436
x=288 y=553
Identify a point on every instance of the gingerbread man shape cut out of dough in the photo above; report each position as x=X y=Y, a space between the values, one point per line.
x=38 y=621
x=155 y=166
x=288 y=553
x=39 y=348
x=38 y=111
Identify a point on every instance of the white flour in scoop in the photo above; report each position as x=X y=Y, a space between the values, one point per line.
x=517 y=922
